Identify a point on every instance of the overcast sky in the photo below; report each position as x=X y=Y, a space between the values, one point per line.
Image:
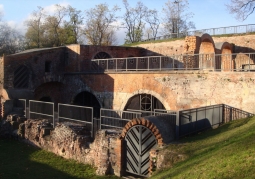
x=207 y=13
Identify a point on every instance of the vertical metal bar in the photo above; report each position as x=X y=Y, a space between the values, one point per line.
x=97 y=65
x=160 y=63
x=92 y=122
x=249 y=62
x=58 y=113
x=116 y=60
x=29 y=109
x=173 y=63
x=136 y=59
x=53 y=116
x=100 y=121
x=148 y=63
x=107 y=61
x=177 y=126
x=126 y=64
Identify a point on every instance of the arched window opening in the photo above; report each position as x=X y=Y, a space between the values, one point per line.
x=88 y=99
x=145 y=103
x=102 y=55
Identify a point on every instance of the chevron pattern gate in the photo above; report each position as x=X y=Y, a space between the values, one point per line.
x=139 y=140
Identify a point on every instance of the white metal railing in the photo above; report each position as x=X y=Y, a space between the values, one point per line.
x=116 y=119
x=214 y=62
x=84 y=114
x=239 y=29
x=40 y=109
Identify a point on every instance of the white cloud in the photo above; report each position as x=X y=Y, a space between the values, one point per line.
x=1 y=10
x=51 y=8
x=17 y=26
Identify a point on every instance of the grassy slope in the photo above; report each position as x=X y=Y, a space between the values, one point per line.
x=21 y=161
x=226 y=152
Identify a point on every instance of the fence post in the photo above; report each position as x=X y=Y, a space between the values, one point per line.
x=177 y=126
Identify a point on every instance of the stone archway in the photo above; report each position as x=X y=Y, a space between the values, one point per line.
x=102 y=55
x=142 y=99
x=206 y=52
x=86 y=98
x=224 y=62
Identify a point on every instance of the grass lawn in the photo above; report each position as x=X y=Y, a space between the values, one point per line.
x=21 y=161
x=225 y=152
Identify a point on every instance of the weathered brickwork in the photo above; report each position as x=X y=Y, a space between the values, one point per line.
x=186 y=90
x=72 y=142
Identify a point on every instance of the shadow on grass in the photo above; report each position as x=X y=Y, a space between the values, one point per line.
x=21 y=161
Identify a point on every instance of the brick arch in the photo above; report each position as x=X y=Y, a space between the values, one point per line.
x=146 y=123
x=102 y=55
x=207 y=44
x=144 y=91
x=223 y=48
x=84 y=90
x=225 y=63
x=51 y=90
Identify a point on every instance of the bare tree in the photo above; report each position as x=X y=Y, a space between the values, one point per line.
x=176 y=17
x=99 y=24
x=134 y=21
x=153 y=20
x=241 y=8
x=35 y=29
x=11 y=41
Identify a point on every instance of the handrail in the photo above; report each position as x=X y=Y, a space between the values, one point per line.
x=211 y=31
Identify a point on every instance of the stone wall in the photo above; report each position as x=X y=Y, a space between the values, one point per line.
x=242 y=43
x=71 y=141
x=177 y=90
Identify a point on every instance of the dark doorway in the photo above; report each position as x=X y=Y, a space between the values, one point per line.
x=45 y=99
x=88 y=99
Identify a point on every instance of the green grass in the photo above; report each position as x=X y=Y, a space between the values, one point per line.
x=225 y=152
x=21 y=161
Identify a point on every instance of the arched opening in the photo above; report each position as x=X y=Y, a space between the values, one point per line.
x=102 y=55
x=46 y=99
x=145 y=103
x=206 y=52
x=88 y=99
x=226 y=62
x=21 y=77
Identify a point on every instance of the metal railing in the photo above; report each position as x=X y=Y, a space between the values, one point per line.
x=239 y=29
x=116 y=119
x=198 y=119
x=215 y=62
x=74 y=113
x=41 y=110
